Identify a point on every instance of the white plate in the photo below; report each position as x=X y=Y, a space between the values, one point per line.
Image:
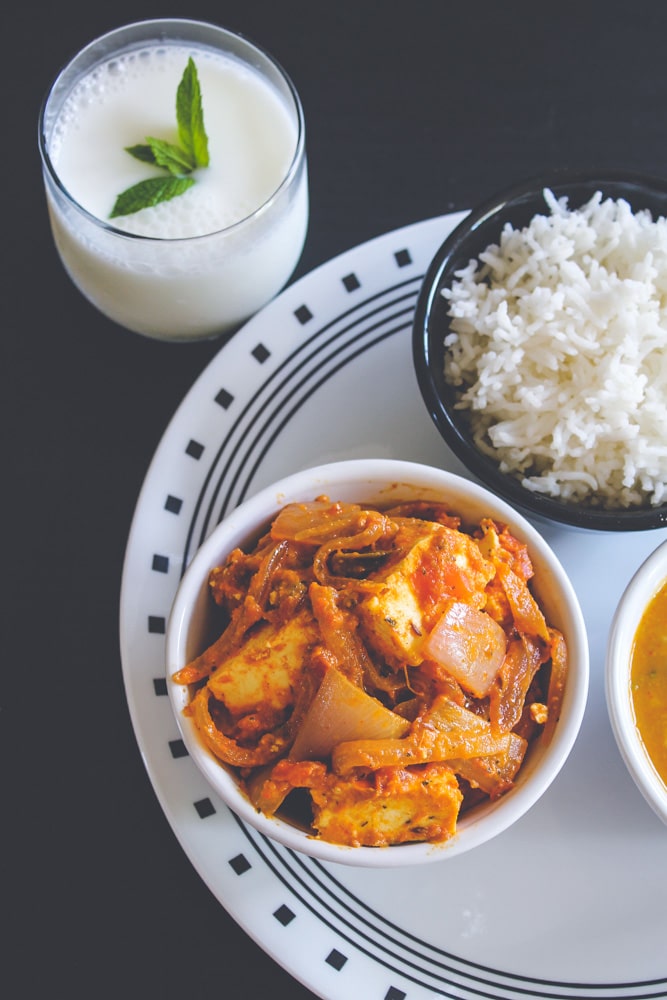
x=568 y=903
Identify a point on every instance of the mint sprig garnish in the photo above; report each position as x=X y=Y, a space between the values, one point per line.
x=190 y=117
x=178 y=160
x=150 y=192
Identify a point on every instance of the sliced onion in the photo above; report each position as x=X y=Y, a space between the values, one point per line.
x=342 y=711
x=315 y=521
x=470 y=645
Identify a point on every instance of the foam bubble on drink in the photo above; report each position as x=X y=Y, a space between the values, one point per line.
x=252 y=140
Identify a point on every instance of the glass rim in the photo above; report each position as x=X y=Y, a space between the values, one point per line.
x=153 y=24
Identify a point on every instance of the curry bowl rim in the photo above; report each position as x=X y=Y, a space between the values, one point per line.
x=639 y=591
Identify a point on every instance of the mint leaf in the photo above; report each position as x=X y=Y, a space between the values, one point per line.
x=148 y=193
x=171 y=157
x=177 y=160
x=190 y=116
x=144 y=153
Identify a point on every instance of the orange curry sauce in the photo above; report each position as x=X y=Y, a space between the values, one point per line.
x=649 y=680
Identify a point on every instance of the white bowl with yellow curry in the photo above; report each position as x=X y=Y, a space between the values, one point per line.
x=378 y=663
x=636 y=678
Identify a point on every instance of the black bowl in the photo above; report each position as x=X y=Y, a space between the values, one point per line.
x=478 y=230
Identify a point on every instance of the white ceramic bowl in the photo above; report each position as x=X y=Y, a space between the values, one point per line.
x=385 y=482
x=634 y=600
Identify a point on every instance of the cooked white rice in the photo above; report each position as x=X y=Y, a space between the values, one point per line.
x=559 y=344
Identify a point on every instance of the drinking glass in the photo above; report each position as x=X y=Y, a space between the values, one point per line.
x=182 y=288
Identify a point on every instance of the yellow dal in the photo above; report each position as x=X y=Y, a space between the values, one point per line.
x=649 y=680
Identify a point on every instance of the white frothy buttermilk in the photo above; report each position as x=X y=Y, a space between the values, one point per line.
x=251 y=140
x=195 y=277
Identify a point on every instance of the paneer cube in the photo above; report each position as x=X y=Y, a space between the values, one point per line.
x=440 y=564
x=266 y=670
x=391 y=806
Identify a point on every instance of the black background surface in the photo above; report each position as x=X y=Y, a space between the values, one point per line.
x=412 y=110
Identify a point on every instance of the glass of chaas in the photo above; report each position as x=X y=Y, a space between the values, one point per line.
x=200 y=263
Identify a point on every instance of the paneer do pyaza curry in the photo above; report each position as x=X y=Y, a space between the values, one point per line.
x=378 y=672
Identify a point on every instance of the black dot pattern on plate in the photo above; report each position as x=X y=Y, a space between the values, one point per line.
x=194 y=449
x=224 y=399
x=173 y=505
x=284 y=915
x=303 y=314
x=156 y=625
x=261 y=353
x=160 y=564
x=240 y=864
x=351 y=282
x=178 y=749
x=358 y=928
x=160 y=687
x=205 y=808
x=336 y=959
